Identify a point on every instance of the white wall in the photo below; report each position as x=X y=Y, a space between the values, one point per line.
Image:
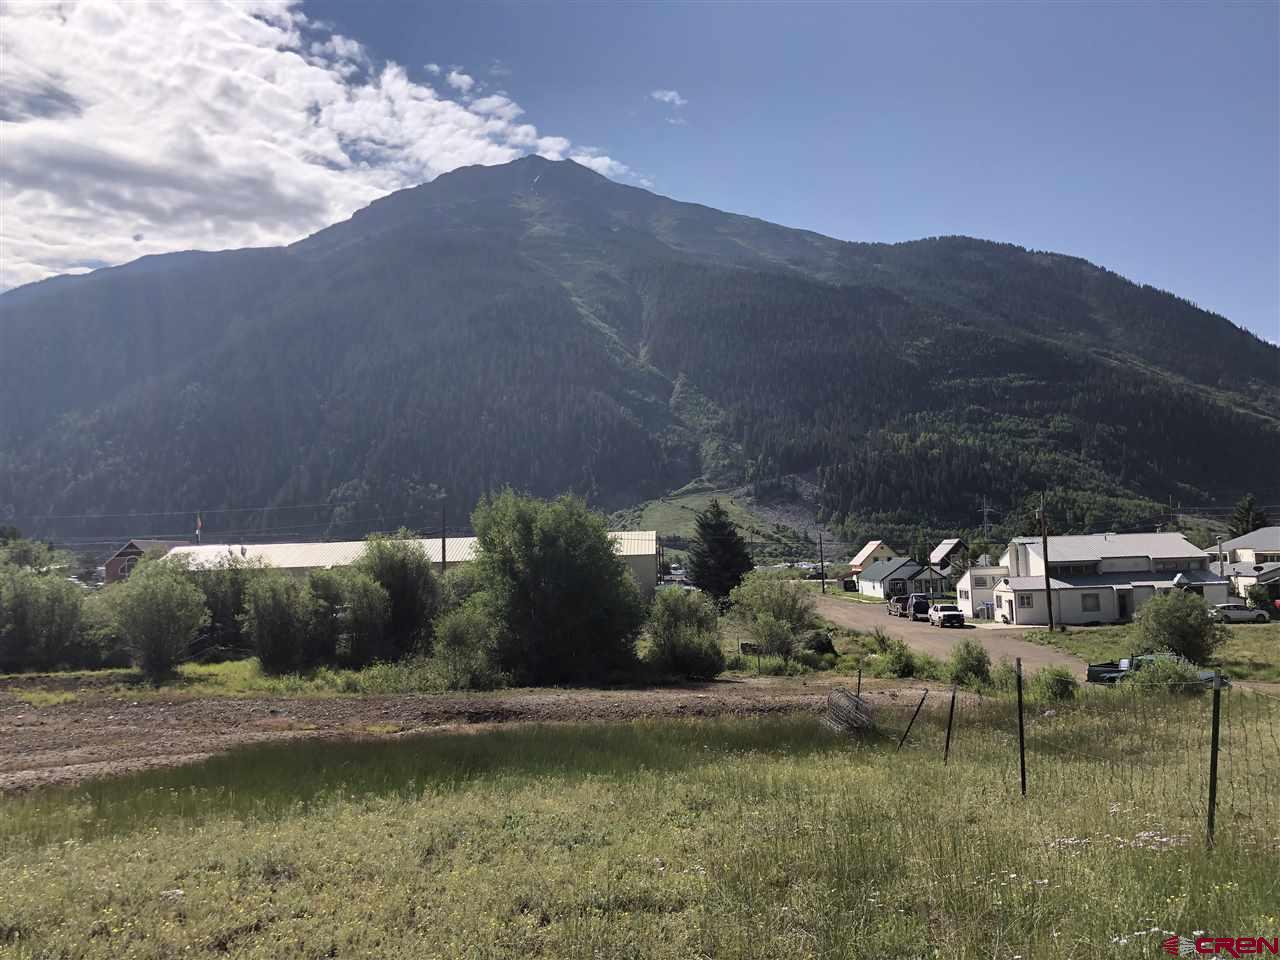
x=978 y=595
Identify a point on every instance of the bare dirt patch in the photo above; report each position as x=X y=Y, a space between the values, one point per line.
x=99 y=736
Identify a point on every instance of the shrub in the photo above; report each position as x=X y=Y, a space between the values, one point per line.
x=1179 y=621
x=224 y=587
x=464 y=646
x=1004 y=678
x=684 y=635
x=276 y=619
x=894 y=659
x=1260 y=597
x=459 y=585
x=773 y=637
x=787 y=601
x=1166 y=675
x=366 y=608
x=969 y=664
x=40 y=621
x=402 y=568
x=819 y=641
x=159 y=613
x=565 y=602
x=328 y=589
x=1053 y=684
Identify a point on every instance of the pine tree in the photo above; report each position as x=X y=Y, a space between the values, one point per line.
x=1246 y=517
x=718 y=558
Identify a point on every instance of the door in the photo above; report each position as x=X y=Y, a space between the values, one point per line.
x=1010 y=603
x=1122 y=604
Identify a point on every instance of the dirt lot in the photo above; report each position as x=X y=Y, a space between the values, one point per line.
x=97 y=735
x=938 y=642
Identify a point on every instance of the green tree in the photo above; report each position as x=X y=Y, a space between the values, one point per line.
x=1246 y=517
x=1179 y=621
x=364 y=614
x=777 y=612
x=1260 y=597
x=684 y=635
x=277 y=618
x=224 y=585
x=159 y=613
x=402 y=567
x=565 y=604
x=465 y=643
x=40 y=622
x=718 y=557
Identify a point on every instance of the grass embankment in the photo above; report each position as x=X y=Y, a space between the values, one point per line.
x=1252 y=651
x=237 y=678
x=673 y=516
x=672 y=839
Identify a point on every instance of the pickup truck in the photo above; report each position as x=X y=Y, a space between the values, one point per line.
x=1113 y=671
x=896 y=607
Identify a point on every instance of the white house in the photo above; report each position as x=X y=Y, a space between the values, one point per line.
x=900 y=577
x=1253 y=559
x=873 y=551
x=1100 y=578
x=945 y=553
x=975 y=591
x=639 y=548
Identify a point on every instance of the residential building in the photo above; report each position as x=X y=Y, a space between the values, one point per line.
x=872 y=552
x=899 y=577
x=1261 y=546
x=975 y=591
x=639 y=548
x=948 y=552
x=1100 y=578
x=121 y=563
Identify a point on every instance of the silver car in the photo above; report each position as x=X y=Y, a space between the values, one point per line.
x=1237 y=613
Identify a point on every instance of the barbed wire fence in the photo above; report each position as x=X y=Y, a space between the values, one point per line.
x=1149 y=764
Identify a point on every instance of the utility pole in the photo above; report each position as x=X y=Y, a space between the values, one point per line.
x=822 y=563
x=986 y=523
x=444 y=529
x=1044 y=549
x=1221 y=566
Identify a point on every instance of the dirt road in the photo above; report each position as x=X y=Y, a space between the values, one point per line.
x=97 y=735
x=938 y=642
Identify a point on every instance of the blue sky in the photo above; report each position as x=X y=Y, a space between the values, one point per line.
x=1144 y=137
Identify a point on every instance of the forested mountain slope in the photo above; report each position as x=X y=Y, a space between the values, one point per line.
x=539 y=325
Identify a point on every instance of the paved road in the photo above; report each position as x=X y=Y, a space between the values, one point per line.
x=938 y=642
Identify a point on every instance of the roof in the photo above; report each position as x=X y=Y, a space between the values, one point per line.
x=1100 y=546
x=870 y=548
x=1261 y=571
x=1137 y=579
x=1264 y=538
x=945 y=549
x=882 y=569
x=342 y=553
x=145 y=545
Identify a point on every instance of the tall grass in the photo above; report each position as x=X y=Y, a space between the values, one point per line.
x=724 y=838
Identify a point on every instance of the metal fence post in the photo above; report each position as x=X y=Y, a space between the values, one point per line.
x=913 y=720
x=1213 y=754
x=859 y=681
x=1022 y=736
x=951 y=713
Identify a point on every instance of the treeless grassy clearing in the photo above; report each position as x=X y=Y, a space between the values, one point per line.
x=668 y=838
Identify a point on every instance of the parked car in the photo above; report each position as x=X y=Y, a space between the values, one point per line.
x=946 y=615
x=1113 y=671
x=1237 y=613
x=918 y=606
x=896 y=607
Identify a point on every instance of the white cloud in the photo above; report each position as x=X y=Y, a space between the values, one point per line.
x=460 y=81
x=669 y=96
x=136 y=128
x=433 y=68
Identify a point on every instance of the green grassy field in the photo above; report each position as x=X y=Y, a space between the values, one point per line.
x=728 y=838
x=1251 y=653
x=673 y=517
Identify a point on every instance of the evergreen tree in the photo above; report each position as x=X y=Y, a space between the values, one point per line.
x=718 y=558
x=1246 y=517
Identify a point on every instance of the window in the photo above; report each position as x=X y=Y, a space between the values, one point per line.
x=1089 y=603
x=1025 y=601
x=964 y=594
x=979 y=581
